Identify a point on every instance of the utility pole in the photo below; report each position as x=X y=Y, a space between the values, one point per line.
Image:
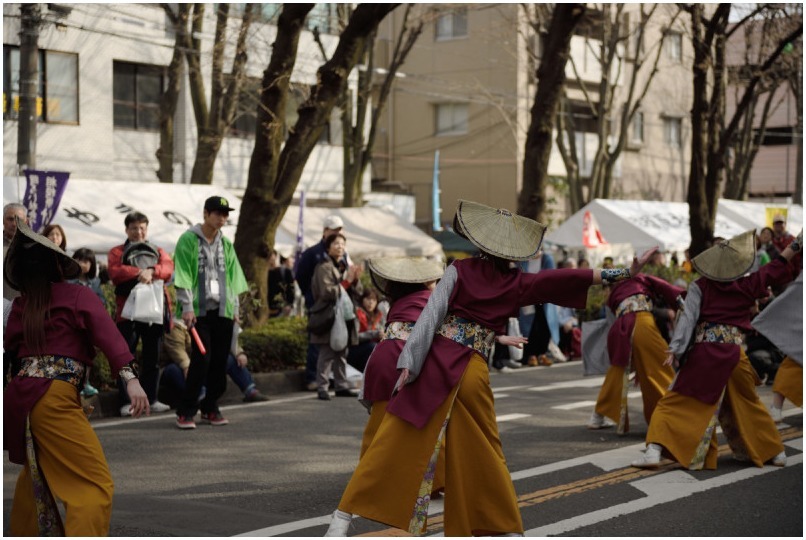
x=30 y=19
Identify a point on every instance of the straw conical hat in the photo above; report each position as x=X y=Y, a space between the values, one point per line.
x=403 y=270
x=25 y=238
x=728 y=260
x=498 y=231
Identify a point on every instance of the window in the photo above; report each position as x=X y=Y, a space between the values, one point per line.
x=451 y=118
x=137 y=89
x=57 y=93
x=673 y=44
x=672 y=128
x=638 y=128
x=452 y=25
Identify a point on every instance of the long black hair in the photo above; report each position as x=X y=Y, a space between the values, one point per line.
x=86 y=254
x=37 y=268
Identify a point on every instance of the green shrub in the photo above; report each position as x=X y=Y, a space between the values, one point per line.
x=279 y=345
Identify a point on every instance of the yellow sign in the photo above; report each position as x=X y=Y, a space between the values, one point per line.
x=772 y=211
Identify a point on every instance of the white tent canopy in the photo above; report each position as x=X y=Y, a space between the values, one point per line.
x=91 y=213
x=644 y=224
x=370 y=232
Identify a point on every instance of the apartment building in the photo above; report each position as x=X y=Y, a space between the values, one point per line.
x=466 y=91
x=102 y=68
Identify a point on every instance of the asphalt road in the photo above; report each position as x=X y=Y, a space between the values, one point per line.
x=278 y=469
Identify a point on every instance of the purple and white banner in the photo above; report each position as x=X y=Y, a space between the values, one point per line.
x=43 y=193
x=300 y=227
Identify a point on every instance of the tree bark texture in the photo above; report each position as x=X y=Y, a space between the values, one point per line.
x=551 y=81
x=260 y=212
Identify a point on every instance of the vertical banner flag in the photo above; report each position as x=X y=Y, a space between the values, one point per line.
x=43 y=193
x=591 y=235
x=435 y=198
x=300 y=231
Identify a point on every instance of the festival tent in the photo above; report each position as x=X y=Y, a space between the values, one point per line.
x=643 y=224
x=92 y=212
x=758 y=214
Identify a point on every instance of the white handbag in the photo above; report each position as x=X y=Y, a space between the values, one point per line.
x=145 y=303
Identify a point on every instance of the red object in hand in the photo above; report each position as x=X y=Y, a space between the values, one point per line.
x=198 y=340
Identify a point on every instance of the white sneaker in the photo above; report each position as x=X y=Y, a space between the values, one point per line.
x=512 y=364
x=339 y=524
x=598 y=421
x=505 y=369
x=650 y=459
x=777 y=414
x=779 y=460
x=159 y=406
x=126 y=410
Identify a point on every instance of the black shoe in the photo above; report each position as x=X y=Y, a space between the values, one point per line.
x=255 y=396
x=346 y=392
x=324 y=396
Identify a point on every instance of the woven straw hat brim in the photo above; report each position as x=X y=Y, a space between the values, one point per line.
x=24 y=239
x=499 y=232
x=403 y=270
x=728 y=260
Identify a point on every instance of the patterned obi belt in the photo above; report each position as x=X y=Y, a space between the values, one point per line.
x=707 y=332
x=58 y=368
x=468 y=333
x=398 y=330
x=636 y=302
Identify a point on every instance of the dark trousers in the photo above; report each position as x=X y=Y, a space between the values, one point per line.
x=311 y=358
x=539 y=335
x=209 y=369
x=358 y=355
x=149 y=363
x=172 y=382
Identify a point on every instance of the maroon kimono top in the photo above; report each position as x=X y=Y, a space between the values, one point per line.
x=708 y=366
x=76 y=324
x=619 y=337
x=381 y=372
x=488 y=297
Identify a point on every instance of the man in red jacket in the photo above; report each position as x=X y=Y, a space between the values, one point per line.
x=138 y=261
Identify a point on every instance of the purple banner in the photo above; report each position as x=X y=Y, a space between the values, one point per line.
x=43 y=193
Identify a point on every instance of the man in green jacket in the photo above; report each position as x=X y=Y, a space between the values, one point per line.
x=208 y=280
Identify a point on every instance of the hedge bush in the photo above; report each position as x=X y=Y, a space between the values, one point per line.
x=279 y=345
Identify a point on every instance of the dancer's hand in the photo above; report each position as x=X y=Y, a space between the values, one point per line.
x=639 y=262
x=401 y=381
x=138 y=399
x=512 y=341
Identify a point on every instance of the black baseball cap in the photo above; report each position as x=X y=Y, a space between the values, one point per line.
x=217 y=203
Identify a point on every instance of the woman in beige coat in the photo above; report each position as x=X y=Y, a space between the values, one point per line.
x=331 y=279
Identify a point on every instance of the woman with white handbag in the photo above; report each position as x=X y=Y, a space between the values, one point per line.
x=331 y=285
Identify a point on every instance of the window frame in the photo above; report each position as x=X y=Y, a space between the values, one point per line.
x=453 y=14
x=42 y=86
x=137 y=66
x=452 y=132
x=669 y=121
x=674 y=52
x=638 y=140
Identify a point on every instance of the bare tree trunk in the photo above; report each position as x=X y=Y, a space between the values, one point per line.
x=268 y=195
x=551 y=81
x=253 y=237
x=223 y=95
x=169 y=98
x=566 y=144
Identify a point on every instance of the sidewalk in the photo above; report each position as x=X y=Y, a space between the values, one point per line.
x=271 y=384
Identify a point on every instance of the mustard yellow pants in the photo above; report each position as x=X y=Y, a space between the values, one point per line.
x=789 y=381
x=480 y=498
x=648 y=354
x=679 y=422
x=73 y=464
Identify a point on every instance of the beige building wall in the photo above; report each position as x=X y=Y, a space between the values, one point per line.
x=488 y=69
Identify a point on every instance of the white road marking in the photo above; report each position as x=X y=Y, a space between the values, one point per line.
x=171 y=415
x=508 y=417
x=660 y=489
x=587 y=382
x=585 y=404
x=499 y=396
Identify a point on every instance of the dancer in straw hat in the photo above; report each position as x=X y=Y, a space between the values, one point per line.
x=52 y=332
x=717 y=383
x=634 y=343
x=443 y=378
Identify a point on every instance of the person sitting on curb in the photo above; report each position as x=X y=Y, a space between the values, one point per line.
x=176 y=348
